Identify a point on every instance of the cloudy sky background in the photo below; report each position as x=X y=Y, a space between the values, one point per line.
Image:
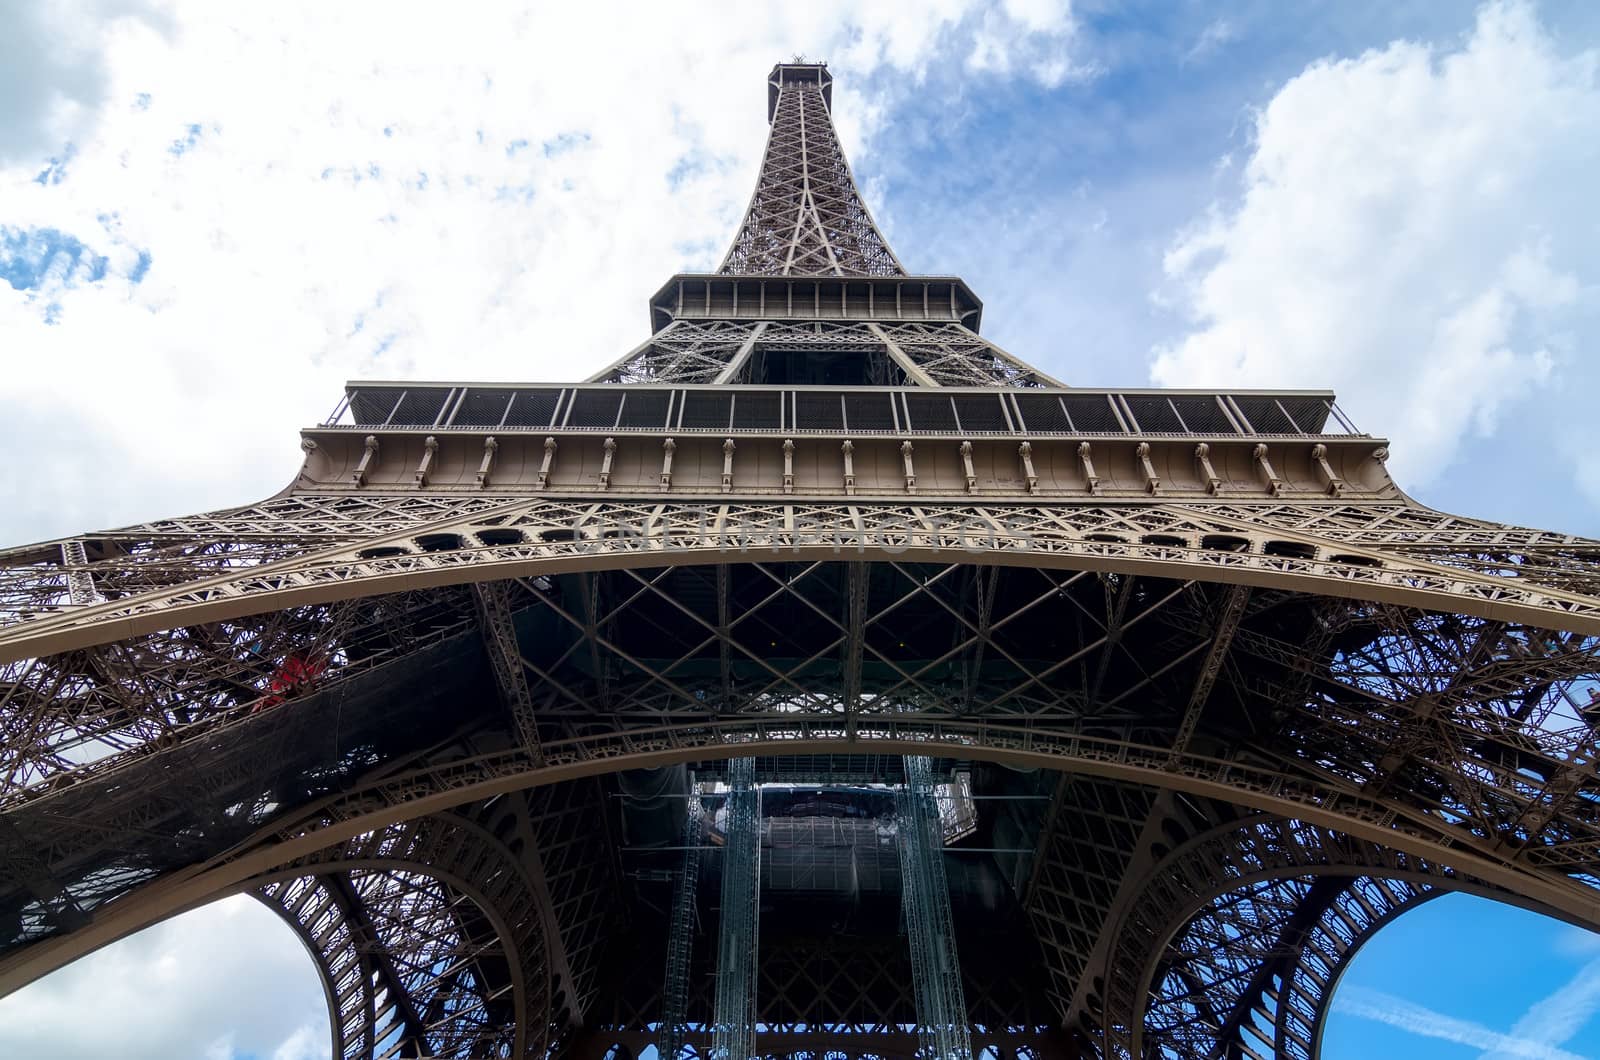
x=208 y=224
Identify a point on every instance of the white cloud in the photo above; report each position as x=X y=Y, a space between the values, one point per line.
x=1554 y=1020
x=313 y=192
x=306 y=1043
x=53 y=69
x=1577 y=942
x=1044 y=48
x=1218 y=32
x=1417 y=229
x=225 y=981
x=1417 y=1019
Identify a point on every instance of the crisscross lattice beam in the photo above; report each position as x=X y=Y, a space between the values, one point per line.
x=428 y=938
x=1237 y=921
x=806 y=216
x=1248 y=698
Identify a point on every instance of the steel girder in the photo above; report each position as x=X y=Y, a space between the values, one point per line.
x=1487 y=699
x=721 y=351
x=806 y=216
x=831 y=992
x=1233 y=941
x=429 y=940
x=399 y=698
x=1398 y=554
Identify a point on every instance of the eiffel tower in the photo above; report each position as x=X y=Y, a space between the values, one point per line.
x=818 y=680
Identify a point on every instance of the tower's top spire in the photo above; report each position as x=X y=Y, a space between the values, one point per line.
x=806 y=216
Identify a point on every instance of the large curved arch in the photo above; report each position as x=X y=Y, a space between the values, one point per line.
x=428 y=939
x=433 y=790
x=1534 y=762
x=318 y=914
x=1269 y=951
x=1328 y=955
x=1512 y=808
x=549 y=537
x=1235 y=903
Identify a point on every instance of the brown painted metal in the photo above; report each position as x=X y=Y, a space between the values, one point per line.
x=1229 y=699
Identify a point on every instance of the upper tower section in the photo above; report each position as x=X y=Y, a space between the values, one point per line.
x=830 y=372
x=806 y=217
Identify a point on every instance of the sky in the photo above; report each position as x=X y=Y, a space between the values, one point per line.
x=208 y=224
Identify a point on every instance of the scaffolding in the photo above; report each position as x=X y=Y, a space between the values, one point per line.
x=942 y=1029
x=680 y=937
x=734 y=1032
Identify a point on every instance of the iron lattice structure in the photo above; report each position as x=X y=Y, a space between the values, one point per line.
x=935 y=962
x=734 y=1025
x=1212 y=699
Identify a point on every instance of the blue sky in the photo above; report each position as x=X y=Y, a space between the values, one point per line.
x=206 y=226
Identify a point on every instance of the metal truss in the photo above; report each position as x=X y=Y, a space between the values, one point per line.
x=562 y=838
x=428 y=940
x=1391 y=662
x=1264 y=701
x=72 y=715
x=1252 y=973
x=1535 y=577
x=1235 y=939
x=1351 y=919
x=692 y=351
x=734 y=1023
x=398 y=957
x=806 y=216
x=493 y=601
x=1503 y=753
x=942 y=1029
x=321 y=913
x=952 y=355
x=723 y=351
x=71 y=711
x=866 y=983
x=1078 y=872
x=832 y=992
x=680 y=940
